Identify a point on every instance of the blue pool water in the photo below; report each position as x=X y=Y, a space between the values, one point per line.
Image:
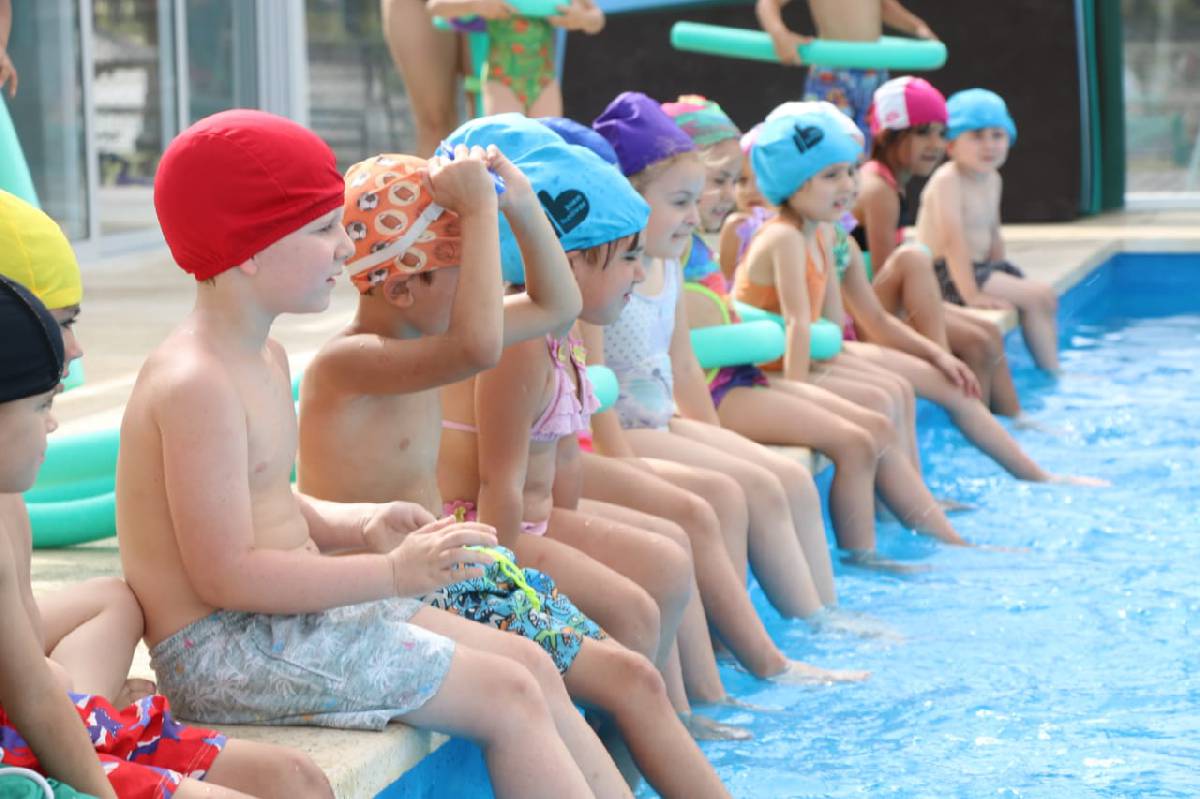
x=1069 y=670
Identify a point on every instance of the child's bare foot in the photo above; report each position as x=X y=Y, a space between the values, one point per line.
x=703 y=728
x=870 y=560
x=797 y=673
x=1024 y=422
x=1079 y=480
x=835 y=620
x=134 y=689
x=954 y=506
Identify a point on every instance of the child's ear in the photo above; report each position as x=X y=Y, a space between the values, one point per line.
x=397 y=291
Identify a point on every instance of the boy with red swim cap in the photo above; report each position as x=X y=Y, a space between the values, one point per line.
x=247 y=619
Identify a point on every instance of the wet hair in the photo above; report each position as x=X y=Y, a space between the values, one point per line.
x=648 y=175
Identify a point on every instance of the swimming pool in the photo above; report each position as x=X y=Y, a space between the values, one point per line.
x=1068 y=670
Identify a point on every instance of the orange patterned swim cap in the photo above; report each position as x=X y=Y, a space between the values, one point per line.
x=396 y=227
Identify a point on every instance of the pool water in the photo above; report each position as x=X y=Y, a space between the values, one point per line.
x=1066 y=670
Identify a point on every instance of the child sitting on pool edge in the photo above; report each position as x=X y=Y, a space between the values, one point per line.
x=248 y=619
x=959 y=220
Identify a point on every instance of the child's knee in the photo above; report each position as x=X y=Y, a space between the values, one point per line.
x=673 y=562
x=639 y=622
x=297 y=775
x=116 y=598
x=857 y=447
x=913 y=261
x=764 y=490
x=513 y=691
x=536 y=661
x=1046 y=299
x=640 y=681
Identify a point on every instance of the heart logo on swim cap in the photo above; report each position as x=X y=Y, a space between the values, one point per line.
x=566 y=211
x=807 y=138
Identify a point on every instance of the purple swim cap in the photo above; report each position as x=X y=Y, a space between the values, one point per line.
x=641 y=132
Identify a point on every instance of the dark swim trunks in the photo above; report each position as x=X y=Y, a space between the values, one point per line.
x=983 y=270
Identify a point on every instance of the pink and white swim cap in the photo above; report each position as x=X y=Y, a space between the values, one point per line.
x=904 y=103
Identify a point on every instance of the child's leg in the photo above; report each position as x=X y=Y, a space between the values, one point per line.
x=724 y=595
x=428 y=61
x=1038 y=307
x=900 y=393
x=595 y=763
x=907 y=283
x=969 y=415
x=776 y=555
x=91 y=630
x=259 y=769
x=612 y=600
x=804 y=503
x=549 y=103
x=979 y=344
x=497 y=703
x=898 y=483
x=627 y=686
x=773 y=416
x=500 y=99
x=698 y=673
x=662 y=566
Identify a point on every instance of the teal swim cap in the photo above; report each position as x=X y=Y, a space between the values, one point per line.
x=587 y=201
x=975 y=109
x=791 y=148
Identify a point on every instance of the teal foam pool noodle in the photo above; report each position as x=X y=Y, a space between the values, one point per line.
x=737 y=344
x=64 y=524
x=888 y=52
x=604 y=382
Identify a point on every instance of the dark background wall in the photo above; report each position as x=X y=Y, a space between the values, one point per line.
x=1023 y=49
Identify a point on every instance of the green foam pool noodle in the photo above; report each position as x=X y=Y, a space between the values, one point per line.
x=604 y=382
x=65 y=492
x=74 y=377
x=78 y=458
x=62 y=524
x=824 y=337
x=524 y=8
x=738 y=344
x=887 y=52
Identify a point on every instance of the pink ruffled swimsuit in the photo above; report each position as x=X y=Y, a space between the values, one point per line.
x=568 y=413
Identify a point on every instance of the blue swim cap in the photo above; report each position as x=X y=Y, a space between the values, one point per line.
x=573 y=132
x=791 y=148
x=587 y=201
x=975 y=109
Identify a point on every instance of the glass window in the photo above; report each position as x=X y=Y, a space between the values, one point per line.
x=134 y=100
x=357 y=101
x=1162 y=102
x=222 y=64
x=48 y=109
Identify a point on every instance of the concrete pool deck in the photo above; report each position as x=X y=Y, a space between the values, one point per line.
x=133 y=301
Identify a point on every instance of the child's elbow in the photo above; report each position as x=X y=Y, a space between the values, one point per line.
x=482 y=354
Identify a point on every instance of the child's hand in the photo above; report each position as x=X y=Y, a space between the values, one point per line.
x=463 y=185
x=391 y=522
x=959 y=374
x=436 y=556
x=491 y=9
x=8 y=72
x=922 y=31
x=787 y=46
x=989 y=303
x=518 y=192
x=578 y=15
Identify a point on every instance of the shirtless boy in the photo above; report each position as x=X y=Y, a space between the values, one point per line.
x=247 y=619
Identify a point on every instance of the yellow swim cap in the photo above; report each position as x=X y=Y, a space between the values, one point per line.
x=35 y=253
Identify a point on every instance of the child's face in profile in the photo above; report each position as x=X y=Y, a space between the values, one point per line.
x=722 y=167
x=66 y=318
x=24 y=425
x=982 y=150
x=297 y=273
x=923 y=149
x=427 y=298
x=672 y=197
x=827 y=195
x=746 y=193
x=607 y=286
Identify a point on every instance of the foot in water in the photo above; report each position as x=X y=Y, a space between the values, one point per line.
x=842 y=622
x=703 y=728
x=133 y=690
x=797 y=673
x=1079 y=480
x=954 y=506
x=872 y=560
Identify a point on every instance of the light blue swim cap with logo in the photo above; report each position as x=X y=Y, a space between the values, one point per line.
x=791 y=148
x=975 y=109
x=587 y=200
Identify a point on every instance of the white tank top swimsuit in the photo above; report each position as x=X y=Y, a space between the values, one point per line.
x=637 y=348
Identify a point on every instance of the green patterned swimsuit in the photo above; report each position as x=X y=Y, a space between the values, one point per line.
x=521 y=56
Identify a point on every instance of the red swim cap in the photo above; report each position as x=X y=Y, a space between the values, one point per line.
x=236 y=182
